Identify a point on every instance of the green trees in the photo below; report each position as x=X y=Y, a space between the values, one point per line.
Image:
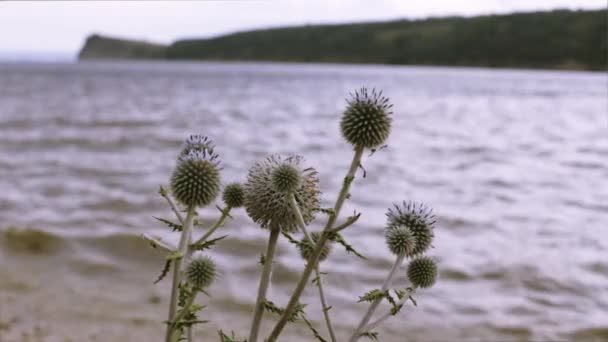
x=556 y=39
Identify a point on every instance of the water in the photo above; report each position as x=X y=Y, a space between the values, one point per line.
x=514 y=164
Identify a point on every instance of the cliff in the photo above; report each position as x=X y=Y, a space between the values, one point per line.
x=100 y=47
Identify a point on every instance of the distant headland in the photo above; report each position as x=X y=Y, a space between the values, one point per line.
x=560 y=39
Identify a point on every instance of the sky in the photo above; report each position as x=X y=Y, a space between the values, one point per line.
x=62 y=26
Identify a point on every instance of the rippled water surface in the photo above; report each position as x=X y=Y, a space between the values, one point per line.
x=514 y=163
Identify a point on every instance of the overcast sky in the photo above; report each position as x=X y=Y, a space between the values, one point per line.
x=48 y=26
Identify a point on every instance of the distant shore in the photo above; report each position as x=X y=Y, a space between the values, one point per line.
x=561 y=40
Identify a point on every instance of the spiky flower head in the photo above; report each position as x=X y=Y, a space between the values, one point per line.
x=269 y=207
x=306 y=247
x=416 y=217
x=198 y=143
x=367 y=119
x=196 y=178
x=201 y=272
x=286 y=178
x=422 y=272
x=400 y=240
x=234 y=195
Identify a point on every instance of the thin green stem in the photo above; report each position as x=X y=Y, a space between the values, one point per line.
x=173 y=207
x=314 y=259
x=178 y=265
x=264 y=282
x=294 y=206
x=387 y=315
x=372 y=308
x=185 y=309
x=158 y=242
x=220 y=223
x=324 y=304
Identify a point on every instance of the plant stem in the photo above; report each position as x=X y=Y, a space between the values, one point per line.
x=190 y=334
x=264 y=282
x=293 y=301
x=326 y=308
x=177 y=268
x=181 y=315
x=158 y=242
x=300 y=219
x=374 y=305
x=218 y=224
x=387 y=315
x=174 y=208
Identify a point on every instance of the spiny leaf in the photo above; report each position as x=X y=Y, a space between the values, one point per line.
x=390 y=298
x=395 y=309
x=174 y=226
x=400 y=293
x=413 y=301
x=372 y=335
x=314 y=331
x=326 y=211
x=349 y=249
x=316 y=280
x=291 y=239
x=298 y=312
x=232 y=338
x=207 y=244
x=164 y=272
x=373 y=296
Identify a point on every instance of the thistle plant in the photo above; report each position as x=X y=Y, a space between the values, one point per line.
x=194 y=183
x=282 y=196
x=270 y=186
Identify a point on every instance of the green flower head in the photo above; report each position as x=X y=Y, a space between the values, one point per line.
x=422 y=272
x=201 y=272
x=268 y=206
x=367 y=119
x=196 y=178
x=418 y=219
x=234 y=195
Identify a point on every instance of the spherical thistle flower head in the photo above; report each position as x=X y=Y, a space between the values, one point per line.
x=306 y=247
x=286 y=178
x=422 y=272
x=269 y=207
x=200 y=144
x=416 y=217
x=400 y=240
x=367 y=119
x=196 y=179
x=234 y=195
x=201 y=272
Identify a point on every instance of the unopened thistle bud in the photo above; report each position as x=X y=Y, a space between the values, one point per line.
x=201 y=272
x=400 y=240
x=196 y=178
x=418 y=219
x=306 y=247
x=367 y=119
x=270 y=207
x=422 y=272
x=234 y=195
x=286 y=178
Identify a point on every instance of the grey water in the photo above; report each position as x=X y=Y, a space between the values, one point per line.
x=513 y=162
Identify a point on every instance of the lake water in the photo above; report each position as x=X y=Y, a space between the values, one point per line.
x=514 y=163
